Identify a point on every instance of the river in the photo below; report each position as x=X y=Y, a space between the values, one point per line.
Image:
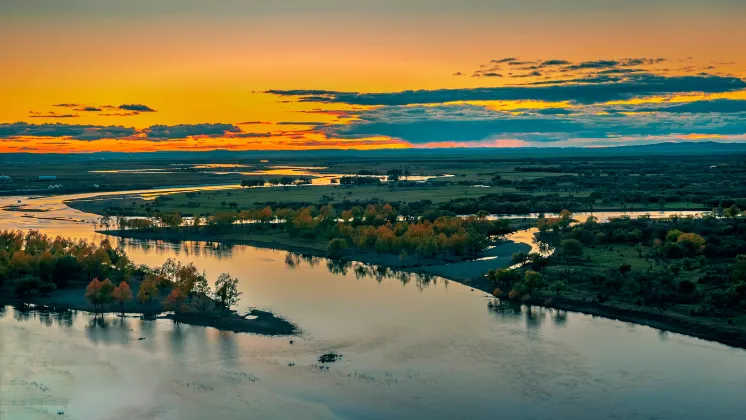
x=411 y=348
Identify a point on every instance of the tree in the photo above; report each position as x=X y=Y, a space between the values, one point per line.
x=691 y=242
x=532 y=280
x=226 y=291
x=121 y=294
x=175 y=300
x=732 y=211
x=148 y=289
x=558 y=287
x=186 y=277
x=571 y=249
x=203 y=292
x=336 y=248
x=505 y=277
x=99 y=292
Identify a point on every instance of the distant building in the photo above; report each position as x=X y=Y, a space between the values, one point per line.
x=47 y=177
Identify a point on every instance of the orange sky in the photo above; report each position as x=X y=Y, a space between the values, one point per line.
x=195 y=68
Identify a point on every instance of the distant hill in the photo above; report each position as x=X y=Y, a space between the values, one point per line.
x=663 y=149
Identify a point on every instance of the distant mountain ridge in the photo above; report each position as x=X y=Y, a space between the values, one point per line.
x=665 y=149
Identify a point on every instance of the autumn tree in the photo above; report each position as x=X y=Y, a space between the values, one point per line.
x=148 y=289
x=99 y=292
x=121 y=294
x=175 y=301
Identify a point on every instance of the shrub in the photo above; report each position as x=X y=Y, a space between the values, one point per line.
x=25 y=285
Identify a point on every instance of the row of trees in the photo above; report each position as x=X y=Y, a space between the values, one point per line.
x=186 y=290
x=381 y=228
x=285 y=180
x=33 y=261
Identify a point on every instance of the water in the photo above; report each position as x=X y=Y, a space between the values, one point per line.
x=414 y=349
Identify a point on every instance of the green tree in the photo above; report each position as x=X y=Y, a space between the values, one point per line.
x=225 y=291
x=203 y=292
x=571 y=249
x=558 y=287
x=533 y=280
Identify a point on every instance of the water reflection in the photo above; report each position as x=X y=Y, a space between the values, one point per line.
x=531 y=315
x=363 y=271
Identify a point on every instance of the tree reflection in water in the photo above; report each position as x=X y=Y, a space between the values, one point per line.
x=533 y=315
x=364 y=271
x=186 y=249
x=46 y=316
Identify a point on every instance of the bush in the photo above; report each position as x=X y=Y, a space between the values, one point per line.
x=25 y=285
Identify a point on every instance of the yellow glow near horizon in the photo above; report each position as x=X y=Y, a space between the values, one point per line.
x=196 y=70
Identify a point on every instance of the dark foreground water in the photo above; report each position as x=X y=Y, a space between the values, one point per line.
x=413 y=347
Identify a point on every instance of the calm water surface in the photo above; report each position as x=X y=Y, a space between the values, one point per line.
x=413 y=348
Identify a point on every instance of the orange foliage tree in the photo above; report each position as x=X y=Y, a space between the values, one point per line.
x=121 y=294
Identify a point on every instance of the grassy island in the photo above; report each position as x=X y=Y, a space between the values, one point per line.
x=62 y=273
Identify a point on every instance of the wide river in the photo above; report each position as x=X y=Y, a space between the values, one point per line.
x=412 y=349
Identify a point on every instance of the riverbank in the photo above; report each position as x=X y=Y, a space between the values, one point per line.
x=456 y=268
x=471 y=273
x=703 y=327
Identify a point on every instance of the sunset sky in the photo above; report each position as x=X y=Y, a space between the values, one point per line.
x=146 y=75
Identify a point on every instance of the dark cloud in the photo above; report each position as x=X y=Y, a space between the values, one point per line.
x=471 y=123
x=592 y=90
x=723 y=106
x=89 y=109
x=72 y=131
x=244 y=135
x=254 y=122
x=181 y=131
x=120 y=114
x=51 y=115
x=314 y=123
x=504 y=60
x=458 y=73
x=492 y=75
x=554 y=111
x=136 y=107
x=599 y=64
x=67 y=105
x=550 y=63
